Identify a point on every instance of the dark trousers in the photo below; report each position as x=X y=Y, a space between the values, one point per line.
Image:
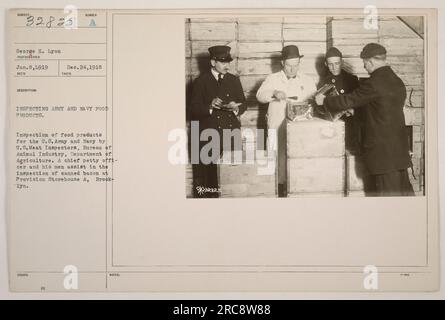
x=205 y=176
x=205 y=184
x=391 y=184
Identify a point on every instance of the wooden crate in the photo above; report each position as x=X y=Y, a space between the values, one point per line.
x=223 y=31
x=260 y=20
x=247 y=190
x=329 y=194
x=394 y=28
x=262 y=66
x=309 y=49
x=418 y=181
x=305 y=19
x=346 y=27
x=252 y=83
x=413 y=116
x=269 y=32
x=222 y=19
x=355 y=66
x=418 y=133
x=259 y=50
x=316 y=175
x=412 y=79
x=406 y=64
x=245 y=180
x=189 y=180
x=254 y=138
x=355 y=174
x=315 y=138
x=201 y=48
x=304 y=32
x=356 y=194
x=349 y=47
x=199 y=65
x=401 y=46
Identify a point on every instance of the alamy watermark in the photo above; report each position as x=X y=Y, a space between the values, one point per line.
x=206 y=146
x=71 y=279
x=371 y=277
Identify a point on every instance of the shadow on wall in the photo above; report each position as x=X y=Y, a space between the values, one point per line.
x=188 y=97
x=203 y=65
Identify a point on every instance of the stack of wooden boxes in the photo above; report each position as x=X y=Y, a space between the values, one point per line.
x=248 y=179
x=315 y=158
x=189 y=180
x=356 y=175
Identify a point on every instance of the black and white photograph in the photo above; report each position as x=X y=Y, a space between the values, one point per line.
x=305 y=106
x=317 y=128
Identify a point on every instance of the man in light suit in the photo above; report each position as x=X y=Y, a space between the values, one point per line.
x=276 y=88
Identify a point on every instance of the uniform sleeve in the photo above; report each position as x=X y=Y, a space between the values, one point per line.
x=266 y=90
x=354 y=82
x=322 y=82
x=199 y=107
x=361 y=96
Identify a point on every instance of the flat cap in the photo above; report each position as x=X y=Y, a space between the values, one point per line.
x=220 y=53
x=290 y=52
x=333 y=52
x=372 y=50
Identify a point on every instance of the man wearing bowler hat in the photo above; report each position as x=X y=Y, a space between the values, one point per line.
x=276 y=88
x=385 y=144
x=216 y=103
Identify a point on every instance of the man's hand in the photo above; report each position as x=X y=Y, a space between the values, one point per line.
x=349 y=112
x=216 y=103
x=319 y=99
x=279 y=95
x=232 y=106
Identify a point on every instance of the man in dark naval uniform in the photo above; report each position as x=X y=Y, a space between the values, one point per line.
x=385 y=143
x=216 y=103
x=344 y=82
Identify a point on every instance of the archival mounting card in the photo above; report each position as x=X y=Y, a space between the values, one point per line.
x=109 y=187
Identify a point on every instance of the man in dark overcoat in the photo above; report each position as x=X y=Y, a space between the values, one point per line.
x=344 y=82
x=385 y=143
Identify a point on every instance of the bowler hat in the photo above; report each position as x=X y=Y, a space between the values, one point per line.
x=220 y=53
x=290 y=52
